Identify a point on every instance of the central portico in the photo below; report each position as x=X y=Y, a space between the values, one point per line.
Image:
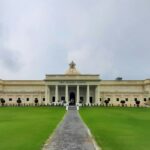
x=72 y=88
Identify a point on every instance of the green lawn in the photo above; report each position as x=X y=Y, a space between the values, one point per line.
x=27 y=128
x=119 y=128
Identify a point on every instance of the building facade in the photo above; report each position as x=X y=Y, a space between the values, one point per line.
x=73 y=88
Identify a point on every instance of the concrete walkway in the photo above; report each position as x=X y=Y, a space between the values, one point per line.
x=70 y=135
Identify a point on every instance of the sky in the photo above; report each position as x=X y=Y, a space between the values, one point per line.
x=106 y=37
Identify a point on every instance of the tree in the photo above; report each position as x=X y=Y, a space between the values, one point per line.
x=106 y=102
x=137 y=103
x=19 y=101
x=2 y=101
x=36 y=101
x=122 y=102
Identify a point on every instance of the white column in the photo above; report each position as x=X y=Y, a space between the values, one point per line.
x=97 y=101
x=47 y=94
x=88 y=95
x=78 y=94
x=66 y=94
x=56 y=94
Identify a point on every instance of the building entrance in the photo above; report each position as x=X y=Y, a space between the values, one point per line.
x=72 y=98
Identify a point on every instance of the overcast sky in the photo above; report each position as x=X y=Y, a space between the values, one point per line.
x=106 y=37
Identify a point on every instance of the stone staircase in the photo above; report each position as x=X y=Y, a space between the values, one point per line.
x=72 y=107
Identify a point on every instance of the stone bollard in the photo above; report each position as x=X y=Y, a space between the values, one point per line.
x=67 y=108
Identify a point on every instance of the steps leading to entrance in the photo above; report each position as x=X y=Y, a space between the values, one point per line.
x=72 y=107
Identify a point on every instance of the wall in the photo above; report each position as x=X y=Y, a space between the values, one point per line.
x=26 y=90
x=126 y=90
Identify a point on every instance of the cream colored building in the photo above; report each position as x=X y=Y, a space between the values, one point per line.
x=74 y=88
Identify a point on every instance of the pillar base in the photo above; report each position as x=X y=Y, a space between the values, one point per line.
x=46 y=104
x=97 y=104
x=56 y=103
x=88 y=104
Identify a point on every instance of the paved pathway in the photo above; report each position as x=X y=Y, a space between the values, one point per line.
x=70 y=135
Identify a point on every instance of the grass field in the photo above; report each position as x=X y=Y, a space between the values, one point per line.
x=119 y=128
x=27 y=128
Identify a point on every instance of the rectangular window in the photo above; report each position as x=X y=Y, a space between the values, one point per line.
x=62 y=98
x=117 y=99
x=145 y=99
x=126 y=99
x=53 y=99
x=81 y=99
x=91 y=99
x=10 y=99
x=135 y=99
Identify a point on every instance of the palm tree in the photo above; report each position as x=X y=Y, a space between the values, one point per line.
x=19 y=101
